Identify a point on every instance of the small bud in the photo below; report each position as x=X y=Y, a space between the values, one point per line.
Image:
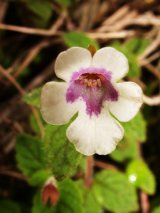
x=50 y=193
x=92 y=49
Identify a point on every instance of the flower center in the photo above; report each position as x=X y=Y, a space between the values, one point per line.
x=92 y=80
x=94 y=87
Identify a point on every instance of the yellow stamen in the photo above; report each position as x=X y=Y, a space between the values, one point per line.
x=94 y=83
x=85 y=81
x=89 y=83
x=99 y=82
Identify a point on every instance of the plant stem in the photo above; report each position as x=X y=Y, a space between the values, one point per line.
x=88 y=179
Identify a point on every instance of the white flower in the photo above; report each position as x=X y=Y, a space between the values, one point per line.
x=90 y=88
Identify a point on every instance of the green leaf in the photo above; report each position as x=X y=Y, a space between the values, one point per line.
x=43 y=11
x=114 y=192
x=29 y=154
x=70 y=200
x=39 y=177
x=141 y=176
x=126 y=149
x=90 y=204
x=134 y=67
x=61 y=155
x=135 y=131
x=137 y=45
x=117 y=45
x=136 y=128
x=65 y=3
x=72 y=39
x=33 y=97
x=8 y=206
x=156 y=210
x=34 y=124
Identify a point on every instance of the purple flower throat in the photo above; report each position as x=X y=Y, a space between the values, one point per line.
x=93 y=86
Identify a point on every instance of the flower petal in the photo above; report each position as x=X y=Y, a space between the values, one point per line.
x=72 y=60
x=96 y=134
x=54 y=108
x=129 y=101
x=112 y=60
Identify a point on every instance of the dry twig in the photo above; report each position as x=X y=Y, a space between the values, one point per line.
x=114 y=17
x=13 y=174
x=151 y=47
x=152 y=69
x=120 y=23
x=111 y=35
x=150 y=59
x=41 y=78
x=3 y=8
x=22 y=92
x=151 y=101
x=36 y=31
x=30 y=56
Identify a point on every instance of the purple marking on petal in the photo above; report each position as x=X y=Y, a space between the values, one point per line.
x=111 y=93
x=94 y=86
x=73 y=92
x=101 y=71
